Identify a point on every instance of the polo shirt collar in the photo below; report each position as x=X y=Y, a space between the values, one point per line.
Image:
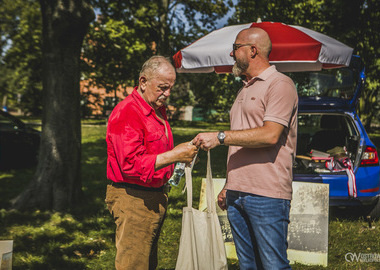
x=262 y=76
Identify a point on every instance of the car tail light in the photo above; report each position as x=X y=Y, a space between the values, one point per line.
x=370 y=157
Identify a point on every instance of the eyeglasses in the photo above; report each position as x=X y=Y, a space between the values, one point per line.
x=236 y=46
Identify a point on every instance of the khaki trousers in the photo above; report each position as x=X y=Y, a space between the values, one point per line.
x=138 y=215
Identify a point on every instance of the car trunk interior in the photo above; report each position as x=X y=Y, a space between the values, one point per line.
x=322 y=137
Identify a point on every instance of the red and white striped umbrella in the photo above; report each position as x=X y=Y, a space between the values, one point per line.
x=294 y=48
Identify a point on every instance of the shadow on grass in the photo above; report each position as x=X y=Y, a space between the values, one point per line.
x=46 y=240
x=51 y=240
x=83 y=237
x=352 y=213
x=12 y=183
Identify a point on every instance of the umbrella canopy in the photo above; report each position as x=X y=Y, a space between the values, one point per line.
x=294 y=48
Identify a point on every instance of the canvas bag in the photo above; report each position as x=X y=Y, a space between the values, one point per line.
x=201 y=244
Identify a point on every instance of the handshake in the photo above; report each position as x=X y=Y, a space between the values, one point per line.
x=204 y=141
x=185 y=152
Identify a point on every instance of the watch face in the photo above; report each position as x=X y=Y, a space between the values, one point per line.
x=221 y=136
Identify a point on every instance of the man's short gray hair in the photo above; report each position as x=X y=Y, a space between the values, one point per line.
x=153 y=64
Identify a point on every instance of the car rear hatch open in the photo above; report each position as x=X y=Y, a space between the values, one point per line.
x=330 y=89
x=327 y=124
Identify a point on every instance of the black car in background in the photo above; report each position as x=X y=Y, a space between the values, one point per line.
x=19 y=143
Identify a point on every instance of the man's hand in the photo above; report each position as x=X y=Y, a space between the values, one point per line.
x=222 y=199
x=184 y=152
x=206 y=141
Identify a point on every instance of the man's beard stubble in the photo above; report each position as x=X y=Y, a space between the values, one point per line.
x=239 y=67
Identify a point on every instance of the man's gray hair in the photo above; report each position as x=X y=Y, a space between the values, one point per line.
x=153 y=64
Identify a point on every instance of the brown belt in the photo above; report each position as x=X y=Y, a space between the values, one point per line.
x=138 y=187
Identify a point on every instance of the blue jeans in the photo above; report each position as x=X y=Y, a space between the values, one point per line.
x=259 y=228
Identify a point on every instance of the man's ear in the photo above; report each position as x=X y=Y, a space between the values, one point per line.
x=142 y=82
x=254 y=51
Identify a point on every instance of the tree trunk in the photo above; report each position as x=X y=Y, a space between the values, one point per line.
x=57 y=184
x=163 y=44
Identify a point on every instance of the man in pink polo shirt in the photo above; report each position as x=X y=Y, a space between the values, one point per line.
x=262 y=143
x=140 y=162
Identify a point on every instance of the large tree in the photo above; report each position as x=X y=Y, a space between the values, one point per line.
x=56 y=184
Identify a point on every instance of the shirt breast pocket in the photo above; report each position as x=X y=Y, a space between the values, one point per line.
x=155 y=143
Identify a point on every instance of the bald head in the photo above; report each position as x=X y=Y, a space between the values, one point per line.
x=251 y=52
x=258 y=37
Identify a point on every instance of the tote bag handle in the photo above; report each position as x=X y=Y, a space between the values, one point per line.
x=209 y=183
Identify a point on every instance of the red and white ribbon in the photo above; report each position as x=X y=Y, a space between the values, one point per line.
x=344 y=164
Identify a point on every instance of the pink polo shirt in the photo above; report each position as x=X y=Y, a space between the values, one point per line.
x=271 y=96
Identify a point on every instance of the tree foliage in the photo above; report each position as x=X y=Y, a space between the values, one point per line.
x=127 y=33
x=368 y=44
x=353 y=22
x=20 y=60
x=111 y=52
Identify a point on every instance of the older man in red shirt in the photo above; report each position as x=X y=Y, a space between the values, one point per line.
x=140 y=162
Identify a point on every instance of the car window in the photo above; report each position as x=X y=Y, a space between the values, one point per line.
x=350 y=127
x=324 y=132
x=339 y=83
x=312 y=123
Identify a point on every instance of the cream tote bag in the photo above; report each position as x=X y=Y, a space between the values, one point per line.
x=201 y=244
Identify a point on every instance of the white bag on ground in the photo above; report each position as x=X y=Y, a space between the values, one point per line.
x=201 y=245
x=6 y=250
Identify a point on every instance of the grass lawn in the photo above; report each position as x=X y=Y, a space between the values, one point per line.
x=83 y=237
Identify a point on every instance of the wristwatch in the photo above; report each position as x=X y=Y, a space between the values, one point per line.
x=221 y=137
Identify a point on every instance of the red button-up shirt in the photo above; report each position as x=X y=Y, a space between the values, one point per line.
x=135 y=136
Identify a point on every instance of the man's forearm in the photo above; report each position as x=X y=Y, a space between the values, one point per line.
x=264 y=136
x=254 y=138
x=164 y=159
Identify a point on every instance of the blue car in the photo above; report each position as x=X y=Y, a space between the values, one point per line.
x=333 y=146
